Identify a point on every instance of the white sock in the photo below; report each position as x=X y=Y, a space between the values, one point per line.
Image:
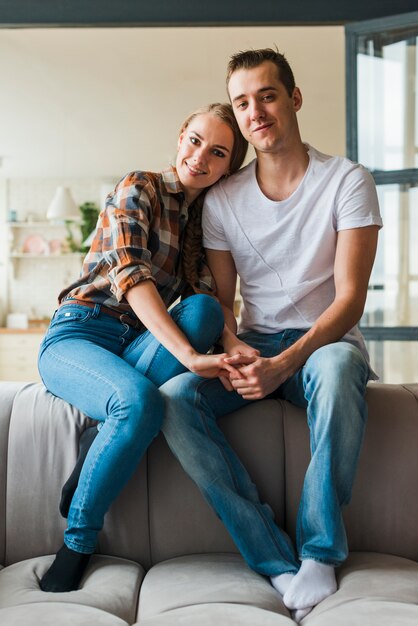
x=281 y=582
x=313 y=583
x=299 y=614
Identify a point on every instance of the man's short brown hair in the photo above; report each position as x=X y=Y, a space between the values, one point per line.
x=248 y=59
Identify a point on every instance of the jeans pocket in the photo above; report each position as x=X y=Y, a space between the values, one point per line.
x=64 y=323
x=70 y=313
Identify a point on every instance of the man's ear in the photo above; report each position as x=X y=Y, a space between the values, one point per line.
x=297 y=99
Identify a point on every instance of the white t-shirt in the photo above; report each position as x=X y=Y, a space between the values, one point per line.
x=284 y=251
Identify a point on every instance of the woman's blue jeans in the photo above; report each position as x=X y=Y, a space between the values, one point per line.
x=331 y=386
x=112 y=372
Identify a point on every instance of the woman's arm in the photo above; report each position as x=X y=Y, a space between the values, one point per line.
x=148 y=306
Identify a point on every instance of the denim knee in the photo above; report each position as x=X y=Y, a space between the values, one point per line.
x=201 y=319
x=338 y=366
x=141 y=406
x=180 y=390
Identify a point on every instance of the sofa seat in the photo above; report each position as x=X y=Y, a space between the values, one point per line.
x=372 y=589
x=57 y=614
x=204 y=589
x=207 y=589
x=110 y=587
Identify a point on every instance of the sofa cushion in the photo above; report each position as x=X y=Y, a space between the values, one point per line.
x=57 y=614
x=110 y=584
x=373 y=589
x=172 y=587
x=218 y=614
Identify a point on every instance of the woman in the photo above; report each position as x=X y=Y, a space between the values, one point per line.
x=112 y=342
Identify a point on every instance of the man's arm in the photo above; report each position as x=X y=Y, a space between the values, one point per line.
x=355 y=253
x=222 y=267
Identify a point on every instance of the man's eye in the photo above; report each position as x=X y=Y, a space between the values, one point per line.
x=241 y=105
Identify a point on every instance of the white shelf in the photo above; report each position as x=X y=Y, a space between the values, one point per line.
x=34 y=224
x=46 y=257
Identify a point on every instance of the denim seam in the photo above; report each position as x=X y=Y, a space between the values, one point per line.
x=156 y=353
x=94 y=461
x=259 y=512
x=207 y=430
x=179 y=310
x=304 y=557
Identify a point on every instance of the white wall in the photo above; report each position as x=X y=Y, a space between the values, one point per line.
x=81 y=107
x=100 y=102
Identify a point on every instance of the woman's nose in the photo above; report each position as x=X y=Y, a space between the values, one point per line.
x=199 y=154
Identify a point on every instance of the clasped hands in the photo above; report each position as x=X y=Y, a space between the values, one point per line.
x=252 y=376
x=241 y=368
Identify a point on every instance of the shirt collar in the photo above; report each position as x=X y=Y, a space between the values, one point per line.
x=171 y=180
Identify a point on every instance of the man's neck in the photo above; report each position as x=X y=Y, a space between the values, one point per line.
x=280 y=173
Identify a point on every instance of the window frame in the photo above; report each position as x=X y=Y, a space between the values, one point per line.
x=353 y=32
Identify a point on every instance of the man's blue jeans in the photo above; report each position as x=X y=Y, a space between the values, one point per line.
x=112 y=373
x=331 y=386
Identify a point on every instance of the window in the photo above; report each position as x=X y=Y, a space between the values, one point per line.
x=382 y=134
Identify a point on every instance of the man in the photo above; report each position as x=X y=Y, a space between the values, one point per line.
x=300 y=228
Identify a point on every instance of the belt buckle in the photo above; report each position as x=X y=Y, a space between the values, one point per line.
x=125 y=318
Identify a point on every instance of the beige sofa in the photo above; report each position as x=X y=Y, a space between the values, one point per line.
x=164 y=558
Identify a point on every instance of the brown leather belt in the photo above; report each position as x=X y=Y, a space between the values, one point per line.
x=124 y=318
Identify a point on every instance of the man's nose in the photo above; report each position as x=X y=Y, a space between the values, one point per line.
x=256 y=110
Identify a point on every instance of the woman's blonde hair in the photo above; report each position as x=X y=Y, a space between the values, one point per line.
x=192 y=253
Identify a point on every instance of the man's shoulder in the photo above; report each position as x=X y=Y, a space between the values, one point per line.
x=335 y=163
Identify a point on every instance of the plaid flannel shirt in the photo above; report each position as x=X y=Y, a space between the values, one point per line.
x=138 y=237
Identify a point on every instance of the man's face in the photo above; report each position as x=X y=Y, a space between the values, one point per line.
x=265 y=112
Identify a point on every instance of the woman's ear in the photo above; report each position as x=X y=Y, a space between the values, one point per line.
x=179 y=140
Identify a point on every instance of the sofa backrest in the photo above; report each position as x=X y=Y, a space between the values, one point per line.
x=383 y=513
x=161 y=514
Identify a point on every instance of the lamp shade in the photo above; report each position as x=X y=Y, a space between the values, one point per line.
x=63 y=206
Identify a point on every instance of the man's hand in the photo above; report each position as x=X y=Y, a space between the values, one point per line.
x=256 y=378
x=238 y=349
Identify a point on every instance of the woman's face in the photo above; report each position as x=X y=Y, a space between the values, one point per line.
x=204 y=153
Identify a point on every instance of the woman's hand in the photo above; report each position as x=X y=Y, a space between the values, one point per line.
x=209 y=365
x=236 y=347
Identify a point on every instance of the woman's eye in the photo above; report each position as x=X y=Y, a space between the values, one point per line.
x=218 y=153
x=194 y=140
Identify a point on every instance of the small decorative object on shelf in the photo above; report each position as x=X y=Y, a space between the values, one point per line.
x=90 y=212
x=35 y=244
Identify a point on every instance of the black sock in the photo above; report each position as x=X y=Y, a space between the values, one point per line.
x=65 y=572
x=86 y=439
